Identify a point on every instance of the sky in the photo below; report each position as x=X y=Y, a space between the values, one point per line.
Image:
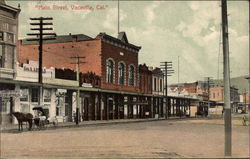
x=164 y=30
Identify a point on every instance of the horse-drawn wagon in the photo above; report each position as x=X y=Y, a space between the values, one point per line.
x=42 y=117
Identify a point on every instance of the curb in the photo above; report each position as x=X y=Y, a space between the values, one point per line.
x=81 y=125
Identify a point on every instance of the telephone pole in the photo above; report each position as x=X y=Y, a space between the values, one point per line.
x=118 y=16
x=208 y=79
x=78 y=62
x=167 y=69
x=40 y=38
x=178 y=75
x=226 y=68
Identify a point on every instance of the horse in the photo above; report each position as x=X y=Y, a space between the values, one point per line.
x=23 y=117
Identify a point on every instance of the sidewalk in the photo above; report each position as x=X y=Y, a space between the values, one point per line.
x=14 y=127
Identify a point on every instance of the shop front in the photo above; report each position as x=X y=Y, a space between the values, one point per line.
x=7 y=98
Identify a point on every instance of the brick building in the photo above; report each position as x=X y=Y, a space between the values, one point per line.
x=111 y=62
x=217 y=95
x=109 y=82
x=145 y=79
x=115 y=60
x=196 y=89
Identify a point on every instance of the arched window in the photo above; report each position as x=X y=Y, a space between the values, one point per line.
x=131 y=75
x=121 y=69
x=110 y=71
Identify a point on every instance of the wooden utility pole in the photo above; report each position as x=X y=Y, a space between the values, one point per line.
x=40 y=38
x=226 y=68
x=178 y=75
x=78 y=62
x=118 y=17
x=208 y=91
x=167 y=68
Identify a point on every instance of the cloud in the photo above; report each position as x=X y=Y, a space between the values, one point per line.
x=192 y=32
x=111 y=19
x=204 y=15
x=194 y=6
x=149 y=11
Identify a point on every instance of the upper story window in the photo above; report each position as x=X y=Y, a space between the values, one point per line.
x=155 y=85
x=149 y=84
x=1 y=35
x=131 y=75
x=140 y=82
x=121 y=68
x=161 y=86
x=1 y=56
x=110 y=71
x=10 y=37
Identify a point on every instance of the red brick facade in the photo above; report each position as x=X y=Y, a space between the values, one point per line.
x=58 y=55
x=190 y=87
x=145 y=79
x=128 y=57
x=96 y=52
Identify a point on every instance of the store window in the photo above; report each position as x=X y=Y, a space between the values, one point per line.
x=24 y=108
x=5 y=105
x=59 y=106
x=24 y=94
x=34 y=95
x=47 y=95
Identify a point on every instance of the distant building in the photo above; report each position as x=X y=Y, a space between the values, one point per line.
x=217 y=95
x=245 y=98
x=145 y=79
x=158 y=81
x=197 y=89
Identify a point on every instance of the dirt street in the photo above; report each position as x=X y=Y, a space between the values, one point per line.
x=171 y=138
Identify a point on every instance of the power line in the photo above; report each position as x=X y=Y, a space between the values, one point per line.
x=78 y=62
x=118 y=16
x=178 y=75
x=40 y=37
x=166 y=66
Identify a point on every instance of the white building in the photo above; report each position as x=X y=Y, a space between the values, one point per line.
x=59 y=102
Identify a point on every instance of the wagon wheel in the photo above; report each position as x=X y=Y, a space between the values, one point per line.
x=37 y=123
x=55 y=122
x=41 y=124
